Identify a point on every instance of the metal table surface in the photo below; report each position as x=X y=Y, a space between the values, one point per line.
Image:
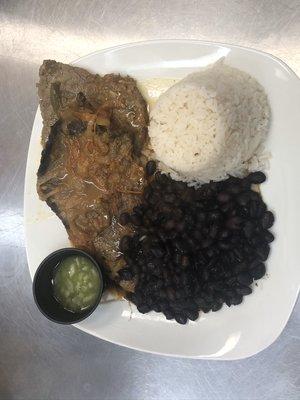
x=41 y=360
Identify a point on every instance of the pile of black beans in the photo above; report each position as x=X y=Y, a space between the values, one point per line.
x=195 y=249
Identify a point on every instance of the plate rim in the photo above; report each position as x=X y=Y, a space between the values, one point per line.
x=158 y=42
x=195 y=41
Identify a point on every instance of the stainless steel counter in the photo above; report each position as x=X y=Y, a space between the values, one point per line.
x=41 y=360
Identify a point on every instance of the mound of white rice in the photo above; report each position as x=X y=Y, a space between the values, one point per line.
x=210 y=125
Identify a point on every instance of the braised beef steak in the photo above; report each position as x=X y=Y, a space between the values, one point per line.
x=60 y=84
x=91 y=169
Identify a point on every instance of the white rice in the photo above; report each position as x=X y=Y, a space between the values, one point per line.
x=210 y=125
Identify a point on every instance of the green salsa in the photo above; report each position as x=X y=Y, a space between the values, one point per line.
x=76 y=283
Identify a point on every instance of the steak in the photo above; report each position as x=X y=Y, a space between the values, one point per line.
x=91 y=167
x=60 y=84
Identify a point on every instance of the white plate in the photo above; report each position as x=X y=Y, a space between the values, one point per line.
x=231 y=333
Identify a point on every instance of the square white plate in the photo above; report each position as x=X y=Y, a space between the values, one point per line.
x=234 y=332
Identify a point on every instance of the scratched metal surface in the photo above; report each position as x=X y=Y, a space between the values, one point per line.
x=39 y=360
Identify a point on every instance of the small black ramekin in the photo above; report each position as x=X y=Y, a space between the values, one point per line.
x=43 y=288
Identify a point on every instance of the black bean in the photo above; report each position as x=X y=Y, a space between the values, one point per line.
x=240 y=267
x=234 y=188
x=135 y=219
x=143 y=308
x=247 y=249
x=189 y=220
x=150 y=300
x=153 y=199
x=224 y=245
x=214 y=216
x=185 y=279
x=236 y=300
x=231 y=281
x=244 y=278
x=245 y=184
x=201 y=216
x=243 y=290
x=162 y=294
x=224 y=234
x=124 y=218
x=169 y=198
x=243 y=198
x=235 y=237
x=238 y=254
x=179 y=227
x=170 y=293
x=150 y=167
x=164 y=236
x=256 y=177
x=160 y=178
x=192 y=243
x=147 y=193
x=180 y=246
x=254 y=263
x=258 y=270
x=268 y=236
x=188 y=303
x=233 y=223
x=170 y=224
x=192 y=315
x=176 y=281
x=223 y=197
x=181 y=319
x=227 y=207
x=131 y=297
x=180 y=293
x=159 y=282
x=125 y=243
x=157 y=252
x=243 y=212
x=205 y=275
x=164 y=304
x=168 y=188
x=156 y=307
x=229 y=291
x=143 y=276
x=140 y=210
x=150 y=266
x=177 y=258
x=261 y=209
x=228 y=302
x=216 y=306
x=206 y=243
x=200 y=301
x=267 y=220
x=169 y=314
x=213 y=230
x=248 y=229
x=125 y=274
x=179 y=186
x=185 y=261
x=255 y=196
x=263 y=252
x=135 y=269
x=253 y=209
x=211 y=252
x=129 y=260
x=255 y=242
x=189 y=194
